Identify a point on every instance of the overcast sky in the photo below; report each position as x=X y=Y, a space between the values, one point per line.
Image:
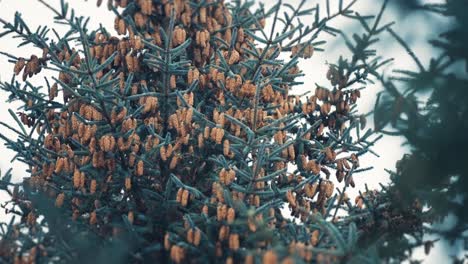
x=389 y=148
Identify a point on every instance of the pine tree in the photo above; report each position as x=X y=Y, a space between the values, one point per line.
x=180 y=139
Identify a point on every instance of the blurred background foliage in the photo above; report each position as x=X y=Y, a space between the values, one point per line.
x=428 y=107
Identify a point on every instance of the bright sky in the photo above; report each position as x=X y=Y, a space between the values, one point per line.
x=389 y=148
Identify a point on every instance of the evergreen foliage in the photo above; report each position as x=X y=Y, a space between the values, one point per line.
x=179 y=138
x=434 y=172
